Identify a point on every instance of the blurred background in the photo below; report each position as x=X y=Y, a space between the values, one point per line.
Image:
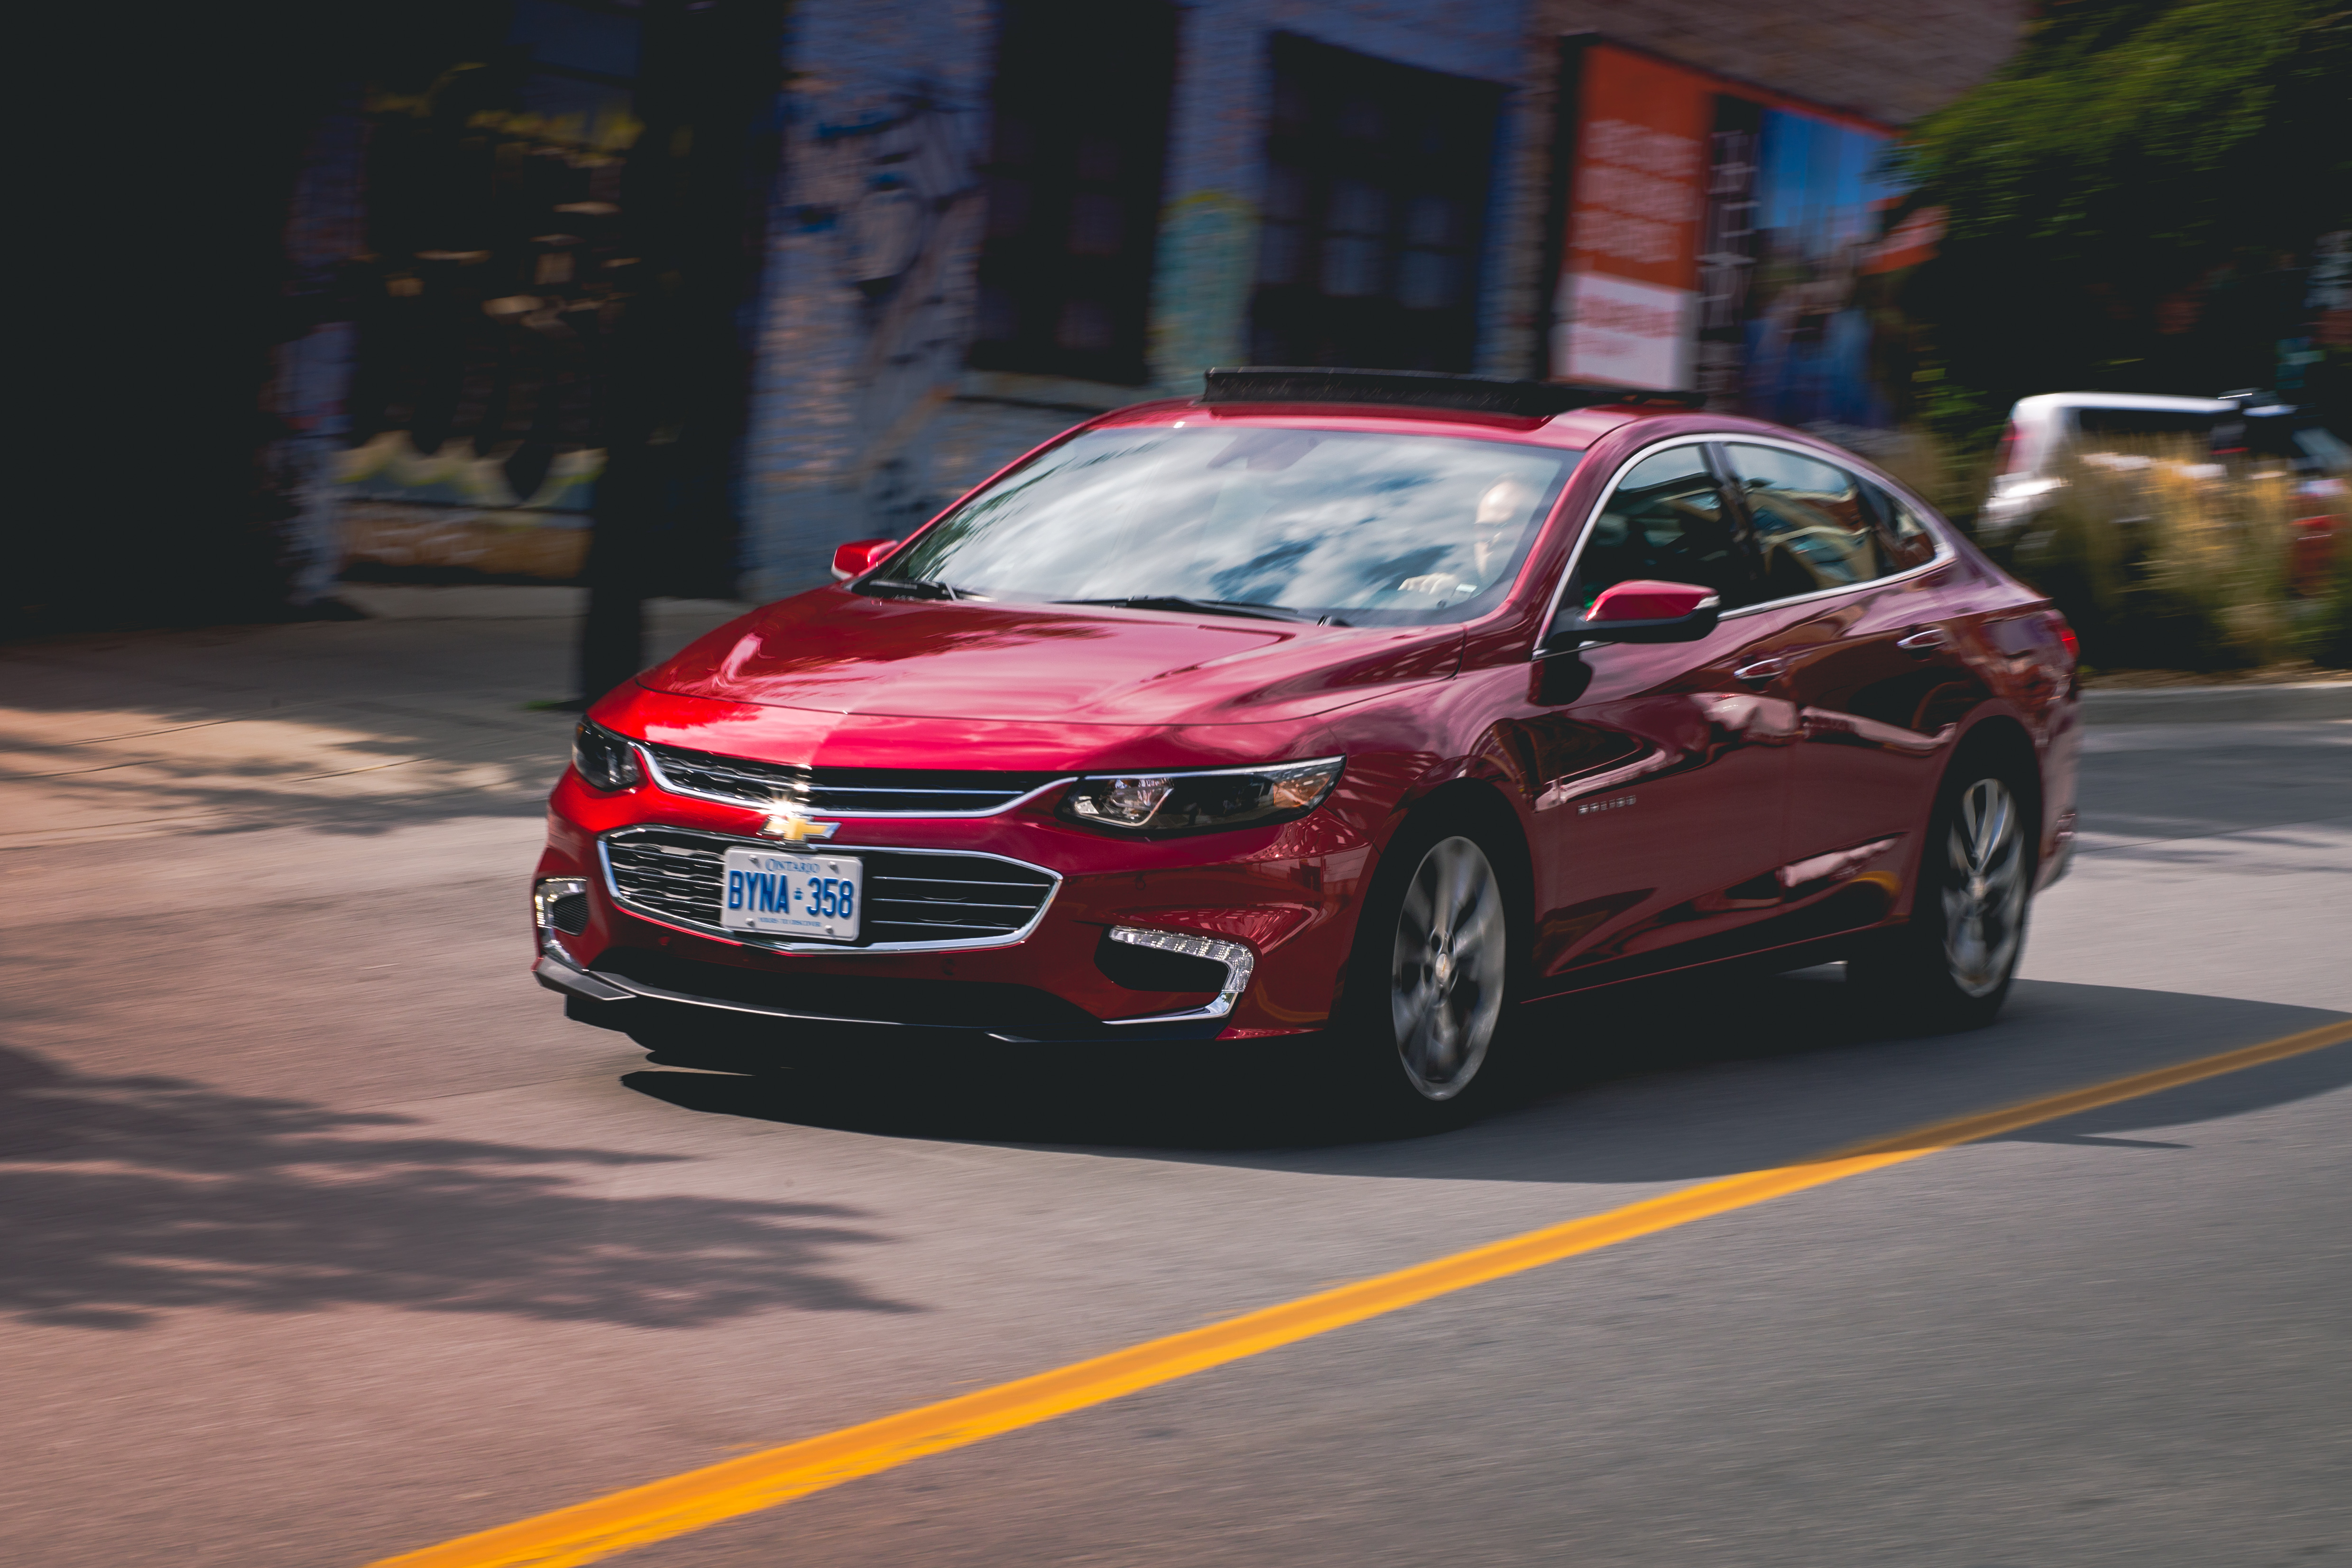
x=395 y=375
x=663 y=299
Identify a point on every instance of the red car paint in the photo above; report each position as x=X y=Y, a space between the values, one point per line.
x=1763 y=789
x=1642 y=601
x=861 y=555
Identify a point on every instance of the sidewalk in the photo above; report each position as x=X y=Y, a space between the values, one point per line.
x=419 y=714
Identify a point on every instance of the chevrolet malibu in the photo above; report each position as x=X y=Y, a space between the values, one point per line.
x=1343 y=712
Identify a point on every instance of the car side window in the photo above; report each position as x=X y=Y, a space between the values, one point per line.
x=1814 y=528
x=1907 y=542
x=1667 y=519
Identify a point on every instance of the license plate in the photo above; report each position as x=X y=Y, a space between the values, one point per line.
x=780 y=894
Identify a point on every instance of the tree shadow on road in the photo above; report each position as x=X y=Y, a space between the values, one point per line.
x=346 y=728
x=122 y=1198
x=1664 y=1082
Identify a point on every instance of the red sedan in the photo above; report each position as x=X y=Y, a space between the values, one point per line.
x=1365 y=706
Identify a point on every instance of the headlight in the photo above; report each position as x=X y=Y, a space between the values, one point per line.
x=605 y=759
x=1201 y=802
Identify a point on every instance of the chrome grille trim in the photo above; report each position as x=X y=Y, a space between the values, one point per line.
x=838 y=792
x=673 y=876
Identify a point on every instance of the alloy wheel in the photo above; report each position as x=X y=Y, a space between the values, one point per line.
x=1445 y=985
x=1984 y=887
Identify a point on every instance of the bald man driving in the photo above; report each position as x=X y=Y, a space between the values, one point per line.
x=1494 y=528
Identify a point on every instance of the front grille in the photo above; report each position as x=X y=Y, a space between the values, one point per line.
x=840 y=792
x=678 y=876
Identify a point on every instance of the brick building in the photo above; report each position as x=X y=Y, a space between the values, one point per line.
x=964 y=223
x=972 y=252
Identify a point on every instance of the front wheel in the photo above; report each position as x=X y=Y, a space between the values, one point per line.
x=1432 y=980
x=1949 y=968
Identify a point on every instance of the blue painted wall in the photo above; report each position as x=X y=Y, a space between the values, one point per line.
x=864 y=419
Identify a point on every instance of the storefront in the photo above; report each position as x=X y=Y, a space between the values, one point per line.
x=536 y=229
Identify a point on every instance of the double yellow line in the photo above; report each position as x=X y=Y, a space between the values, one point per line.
x=589 y=1531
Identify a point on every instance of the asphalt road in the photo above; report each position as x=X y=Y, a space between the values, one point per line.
x=324 y=1236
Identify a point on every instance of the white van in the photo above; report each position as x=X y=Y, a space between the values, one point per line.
x=2046 y=429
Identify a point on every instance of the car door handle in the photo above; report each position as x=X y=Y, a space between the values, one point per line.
x=1927 y=639
x=1763 y=672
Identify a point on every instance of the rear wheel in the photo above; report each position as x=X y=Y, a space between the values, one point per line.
x=1432 y=980
x=1950 y=967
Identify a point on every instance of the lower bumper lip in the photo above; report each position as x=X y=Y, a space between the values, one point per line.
x=595 y=987
x=606 y=990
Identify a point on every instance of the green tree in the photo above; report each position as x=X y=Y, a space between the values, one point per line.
x=2132 y=202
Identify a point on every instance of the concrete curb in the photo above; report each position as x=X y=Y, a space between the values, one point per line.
x=2220 y=704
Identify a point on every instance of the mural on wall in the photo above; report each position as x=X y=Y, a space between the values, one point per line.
x=1199 y=305
x=1820 y=210
x=1003 y=215
x=496 y=266
x=891 y=200
x=1726 y=239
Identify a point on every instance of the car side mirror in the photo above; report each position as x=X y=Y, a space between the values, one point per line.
x=1639 y=612
x=860 y=556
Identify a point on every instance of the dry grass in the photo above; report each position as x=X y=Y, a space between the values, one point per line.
x=2165 y=558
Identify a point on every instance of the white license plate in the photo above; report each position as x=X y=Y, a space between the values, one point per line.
x=781 y=894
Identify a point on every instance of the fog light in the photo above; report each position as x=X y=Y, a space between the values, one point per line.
x=559 y=908
x=1237 y=959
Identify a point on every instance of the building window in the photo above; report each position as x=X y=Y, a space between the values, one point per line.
x=1374 y=212
x=1080 y=134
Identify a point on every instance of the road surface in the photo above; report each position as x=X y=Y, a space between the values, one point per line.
x=324 y=1238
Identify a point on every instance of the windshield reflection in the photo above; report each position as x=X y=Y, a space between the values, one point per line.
x=1319 y=524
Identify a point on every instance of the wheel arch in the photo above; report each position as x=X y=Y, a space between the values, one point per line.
x=1481 y=801
x=2002 y=738
x=1480 y=804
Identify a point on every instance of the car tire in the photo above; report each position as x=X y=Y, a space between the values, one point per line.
x=1434 y=978
x=1949 y=966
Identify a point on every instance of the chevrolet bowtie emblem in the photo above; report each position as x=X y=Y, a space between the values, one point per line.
x=795 y=828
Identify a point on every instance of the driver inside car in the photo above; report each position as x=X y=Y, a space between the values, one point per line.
x=1494 y=529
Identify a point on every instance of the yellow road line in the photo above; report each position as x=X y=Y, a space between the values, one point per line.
x=589 y=1531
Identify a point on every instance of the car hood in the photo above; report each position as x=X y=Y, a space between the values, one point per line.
x=838 y=652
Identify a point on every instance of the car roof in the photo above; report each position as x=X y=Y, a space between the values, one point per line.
x=1578 y=428
x=1540 y=413
x=2147 y=400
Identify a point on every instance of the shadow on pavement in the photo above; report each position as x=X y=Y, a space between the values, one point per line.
x=123 y=1197
x=347 y=728
x=1664 y=1083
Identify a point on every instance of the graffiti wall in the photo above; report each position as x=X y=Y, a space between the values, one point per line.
x=909 y=343
x=1820 y=215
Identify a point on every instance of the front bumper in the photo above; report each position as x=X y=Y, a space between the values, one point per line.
x=1264 y=917
x=630 y=1001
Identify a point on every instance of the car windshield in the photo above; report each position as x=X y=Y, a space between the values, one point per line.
x=1335 y=526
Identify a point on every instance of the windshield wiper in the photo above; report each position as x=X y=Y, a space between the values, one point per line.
x=914 y=587
x=1204 y=606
